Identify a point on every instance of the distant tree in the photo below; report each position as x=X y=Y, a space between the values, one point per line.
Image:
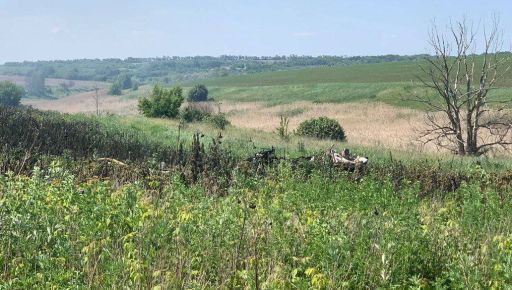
x=135 y=85
x=35 y=84
x=115 y=89
x=125 y=81
x=162 y=103
x=10 y=94
x=64 y=87
x=199 y=93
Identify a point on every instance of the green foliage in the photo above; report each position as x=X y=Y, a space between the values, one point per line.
x=199 y=93
x=283 y=231
x=282 y=130
x=179 y=69
x=321 y=128
x=191 y=114
x=219 y=121
x=135 y=85
x=35 y=84
x=10 y=94
x=38 y=133
x=162 y=103
x=125 y=81
x=115 y=89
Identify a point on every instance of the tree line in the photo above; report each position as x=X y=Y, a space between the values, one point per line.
x=169 y=69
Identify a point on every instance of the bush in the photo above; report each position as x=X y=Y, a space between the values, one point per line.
x=10 y=94
x=51 y=133
x=115 y=89
x=124 y=81
x=193 y=115
x=219 y=121
x=322 y=128
x=162 y=103
x=135 y=85
x=35 y=84
x=199 y=93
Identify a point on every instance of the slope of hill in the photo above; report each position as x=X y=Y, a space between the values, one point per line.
x=403 y=71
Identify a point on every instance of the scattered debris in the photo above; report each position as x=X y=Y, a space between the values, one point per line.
x=112 y=160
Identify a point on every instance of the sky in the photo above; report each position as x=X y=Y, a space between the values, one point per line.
x=74 y=29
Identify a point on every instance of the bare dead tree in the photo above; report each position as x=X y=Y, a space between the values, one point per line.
x=461 y=117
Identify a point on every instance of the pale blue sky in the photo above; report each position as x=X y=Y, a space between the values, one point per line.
x=70 y=29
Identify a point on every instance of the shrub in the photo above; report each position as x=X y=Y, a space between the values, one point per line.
x=115 y=89
x=124 y=81
x=135 y=85
x=162 y=103
x=199 y=93
x=322 y=128
x=35 y=84
x=219 y=121
x=51 y=133
x=10 y=94
x=191 y=114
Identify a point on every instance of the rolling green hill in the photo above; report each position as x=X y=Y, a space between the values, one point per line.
x=404 y=71
x=392 y=83
x=366 y=73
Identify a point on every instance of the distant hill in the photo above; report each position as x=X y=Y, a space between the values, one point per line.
x=387 y=72
x=182 y=69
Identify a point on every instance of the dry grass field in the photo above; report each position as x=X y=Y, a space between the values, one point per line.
x=372 y=124
x=366 y=124
x=85 y=103
x=20 y=80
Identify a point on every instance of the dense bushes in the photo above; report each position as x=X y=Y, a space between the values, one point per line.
x=162 y=103
x=199 y=93
x=322 y=128
x=47 y=133
x=10 y=94
x=219 y=121
x=115 y=89
x=197 y=112
x=122 y=82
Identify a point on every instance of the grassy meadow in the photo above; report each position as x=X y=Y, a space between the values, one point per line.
x=124 y=201
x=214 y=221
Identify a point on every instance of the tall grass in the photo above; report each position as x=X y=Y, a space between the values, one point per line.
x=280 y=232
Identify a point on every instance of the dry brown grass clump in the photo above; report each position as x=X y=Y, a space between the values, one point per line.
x=367 y=124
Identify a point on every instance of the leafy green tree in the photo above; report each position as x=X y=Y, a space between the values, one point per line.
x=115 y=89
x=135 y=85
x=162 y=103
x=10 y=94
x=35 y=84
x=125 y=81
x=199 y=93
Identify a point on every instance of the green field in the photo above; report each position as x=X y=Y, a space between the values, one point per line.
x=392 y=83
x=215 y=221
